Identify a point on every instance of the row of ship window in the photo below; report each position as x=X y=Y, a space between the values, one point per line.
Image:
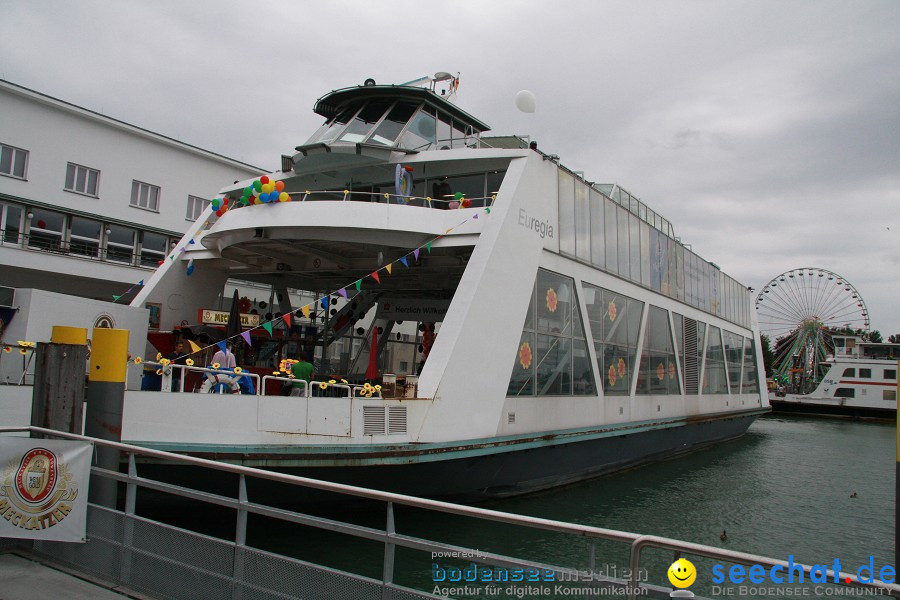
x=86 y=181
x=866 y=373
x=622 y=240
x=553 y=358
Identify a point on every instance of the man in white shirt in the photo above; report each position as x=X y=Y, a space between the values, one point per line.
x=225 y=359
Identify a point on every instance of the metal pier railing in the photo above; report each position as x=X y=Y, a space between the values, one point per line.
x=132 y=551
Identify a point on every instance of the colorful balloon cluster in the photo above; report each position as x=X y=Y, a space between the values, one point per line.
x=220 y=205
x=264 y=191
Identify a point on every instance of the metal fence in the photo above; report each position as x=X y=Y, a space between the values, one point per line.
x=138 y=553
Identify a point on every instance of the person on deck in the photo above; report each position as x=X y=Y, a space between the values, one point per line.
x=225 y=359
x=178 y=357
x=302 y=370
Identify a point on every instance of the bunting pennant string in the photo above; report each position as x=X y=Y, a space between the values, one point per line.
x=388 y=268
x=375 y=276
x=343 y=293
x=268 y=326
x=287 y=319
x=305 y=311
x=358 y=285
x=403 y=260
x=246 y=336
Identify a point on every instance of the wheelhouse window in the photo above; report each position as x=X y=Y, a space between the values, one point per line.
x=422 y=131
x=145 y=195
x=82 y=180
x=13 y=161
x=85 y=237
x=364 y=121
x=195 y=207
x=46 y=229
x=387 y=132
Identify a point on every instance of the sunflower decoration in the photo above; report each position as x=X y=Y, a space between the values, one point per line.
x=552 y=300
x=377 y=388
x=323 y=386
x=189 y=362
x=612 y=310
x=344 y=381
x=671 y=370
x=216 y=365
x=367 y=386
x=612 y=375
x=332 y=381
x=23 y=351
x=238 y=370
x=276 y=373
x=165 y=362
x=158 y=355
x=138 y=360
x=525 y=355
x=286 y=364
x=660 y=372
x=7 y=349
x=159 y=371
x=621 y=366
x=25 y=344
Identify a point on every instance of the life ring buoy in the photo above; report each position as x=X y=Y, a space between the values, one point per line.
x=213 y=382
x=403 y=182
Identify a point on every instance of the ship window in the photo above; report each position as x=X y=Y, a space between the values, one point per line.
x=634 y=247
x=85 y=237
x=890 y=395
x=566 y=187
x=460 y=133
x=658 y=374
x=552 y=357
x=612 y=261
x=444 y=132
x=422 y=131
x=13 y=161
x=386 y=133
x=46 y=229
x=749 y=381
x=734 y=350
x=865 y=373
x=598 y=245
x=714 y=379
x=890 y=374
x=359 y=128
x=845 y=393
x=615 y=322
x=582 y=221
x=849 y=372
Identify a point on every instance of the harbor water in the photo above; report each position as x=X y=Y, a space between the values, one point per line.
x=816 y=490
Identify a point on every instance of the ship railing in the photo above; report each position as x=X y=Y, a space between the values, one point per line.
x=116 y=529
x=446 y=202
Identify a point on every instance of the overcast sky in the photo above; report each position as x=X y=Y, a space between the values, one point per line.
x=767 y=132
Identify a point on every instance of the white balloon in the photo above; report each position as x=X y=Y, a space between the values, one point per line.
x=525 y=101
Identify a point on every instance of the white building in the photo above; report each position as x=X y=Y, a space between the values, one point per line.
x=89 y=205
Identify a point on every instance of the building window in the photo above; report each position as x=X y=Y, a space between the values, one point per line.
x=153 y=249
x=144 y=195
x=845 y=393
x=10 y=223
x=13 y=161
x=890 y=374
x=82 y=180
x=85 y=237
x=46 y=229
x=120 y=243
x=865 y=373
x=195 y=207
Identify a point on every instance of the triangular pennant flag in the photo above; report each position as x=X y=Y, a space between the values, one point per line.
x=141 y=282
x=388 y=268
x=428 y=246
x=488 y=210
x=416 y=254
x=403 y=260
x=324 y=302
x=222 y=346
x=190 y=267
x=246 y=336
x=287 y=320
x=305 y=311
x=375 y=276
x=475 y=216
x=268 y=327
x=358 y=284
x=191 y=242
x=343 y=292
x=116 y=298
x=194 y=347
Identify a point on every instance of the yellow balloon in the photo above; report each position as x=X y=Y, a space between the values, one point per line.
x=268 y=188
x=284 y=197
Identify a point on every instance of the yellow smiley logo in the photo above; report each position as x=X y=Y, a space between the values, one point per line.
x=682 y=573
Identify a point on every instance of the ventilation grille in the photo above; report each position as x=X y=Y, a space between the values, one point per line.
x=396 y=419
x=689 y=357
x=373 y=420
x=381 y=420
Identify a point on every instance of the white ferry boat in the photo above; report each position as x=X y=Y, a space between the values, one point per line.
x=860 y=381
x=549 y=329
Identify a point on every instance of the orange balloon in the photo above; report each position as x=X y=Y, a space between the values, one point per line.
x=279 y=185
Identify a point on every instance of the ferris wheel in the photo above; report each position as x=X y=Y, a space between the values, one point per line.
x=800 y=310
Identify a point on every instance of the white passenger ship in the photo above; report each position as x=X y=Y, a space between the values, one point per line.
x=576 y=335
x=861 y=381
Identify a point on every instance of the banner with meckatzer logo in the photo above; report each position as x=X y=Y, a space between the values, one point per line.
x=44 y=488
